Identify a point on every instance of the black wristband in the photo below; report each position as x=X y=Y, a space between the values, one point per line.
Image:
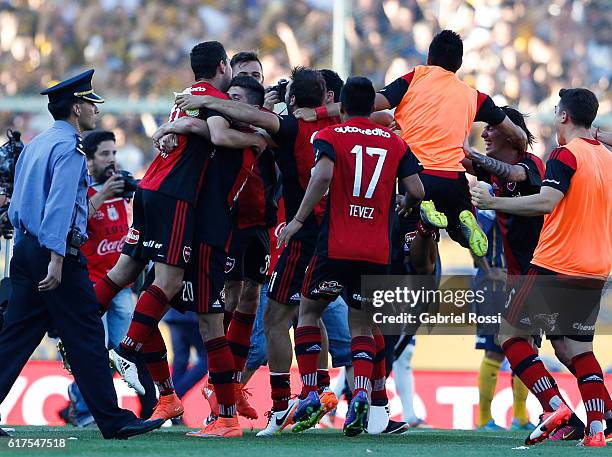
x=301 y=222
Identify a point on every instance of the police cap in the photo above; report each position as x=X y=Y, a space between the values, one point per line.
x=78 y=86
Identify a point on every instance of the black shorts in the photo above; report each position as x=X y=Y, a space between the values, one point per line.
x=162 y=230
x=328 y=278
x=450 y=192
x=288 y=276
x=249 y=255
x=203 y=282
x=553 y=303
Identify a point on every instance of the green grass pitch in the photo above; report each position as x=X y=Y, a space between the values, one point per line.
x=317 y=443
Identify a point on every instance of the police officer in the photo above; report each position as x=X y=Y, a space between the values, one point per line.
x=49 y=279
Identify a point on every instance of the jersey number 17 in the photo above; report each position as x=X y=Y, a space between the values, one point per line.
x=358 y=151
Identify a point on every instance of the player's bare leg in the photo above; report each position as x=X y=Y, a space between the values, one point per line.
x=232 y=291
x=423 y=253
x=280 y=355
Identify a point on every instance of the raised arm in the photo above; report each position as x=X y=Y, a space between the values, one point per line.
x=517 y=135
x=235 y=110
x=506 y=171
x=222 y=135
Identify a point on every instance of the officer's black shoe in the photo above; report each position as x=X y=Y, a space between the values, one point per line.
x=137 y=427
x=3 y=433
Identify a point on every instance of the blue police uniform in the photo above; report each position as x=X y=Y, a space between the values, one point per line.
x=49 y=203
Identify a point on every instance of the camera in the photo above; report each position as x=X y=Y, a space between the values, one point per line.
x=280 y=88
x=129 y=182
x=9 y=153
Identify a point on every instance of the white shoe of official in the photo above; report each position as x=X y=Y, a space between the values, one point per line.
x=127 y=370
x=378 y=419
x=278 y=420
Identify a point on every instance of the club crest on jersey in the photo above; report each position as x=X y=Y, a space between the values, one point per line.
x=186 y=253
x=328 y=287
x=408 y=239
x=229 y=264
x=112 y=213
x=511 y=186
x=133 y=236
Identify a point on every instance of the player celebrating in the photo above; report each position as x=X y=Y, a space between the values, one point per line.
x=295 y=160
x=511 y=172
x=568 y=269
x=357 y=161
x=163 y=229
x=435 y=112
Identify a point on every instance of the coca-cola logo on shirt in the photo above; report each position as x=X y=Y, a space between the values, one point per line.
x=110 y=247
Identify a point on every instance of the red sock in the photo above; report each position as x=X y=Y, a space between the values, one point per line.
x=379 y=372
x=323 y=379
x=607 y=399
x=591 y=386
x=155 y=355
x=239 y=339
x=106 y=290
x=307 y=349
x=363 y=348
x=530 y=369
x=281 y=391
x=221 y=374
x=147 y=314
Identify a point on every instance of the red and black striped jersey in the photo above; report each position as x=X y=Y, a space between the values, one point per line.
x=361 y=199
x=179 y=174
x=256 y=206
x=295 y=159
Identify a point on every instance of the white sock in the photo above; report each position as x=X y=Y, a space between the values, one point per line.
x=337 y=384
x=596 y=427
x=404 y=382
x=555 y=402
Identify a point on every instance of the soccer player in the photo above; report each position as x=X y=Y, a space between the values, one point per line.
x=165 y=222
x=565 y=269
x=205 y=279
x=294 y=157
x=435 y=111
x=358 y=163
x=511 y=172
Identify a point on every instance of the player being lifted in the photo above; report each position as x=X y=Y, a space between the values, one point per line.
x=435 y=111
x=358 y=162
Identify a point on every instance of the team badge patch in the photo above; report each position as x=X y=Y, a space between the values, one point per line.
x=133 y=236
x=229 y=264
x=186 y=253
x=328 y=288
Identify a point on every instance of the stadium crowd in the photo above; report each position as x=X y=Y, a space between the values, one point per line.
x=140 y=49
